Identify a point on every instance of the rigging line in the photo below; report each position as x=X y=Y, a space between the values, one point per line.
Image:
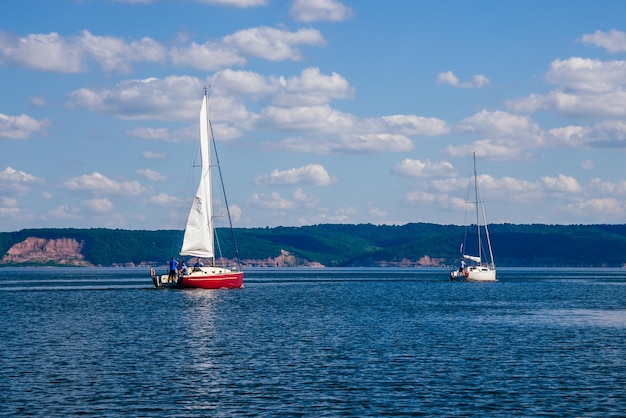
x=476 y=204
x=219 y=169
x=480 y=201
x=466 y=210
x=230 y=222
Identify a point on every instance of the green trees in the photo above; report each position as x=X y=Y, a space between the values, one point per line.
x=357 y=245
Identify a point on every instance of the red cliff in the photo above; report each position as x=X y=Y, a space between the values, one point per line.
x=44 y=251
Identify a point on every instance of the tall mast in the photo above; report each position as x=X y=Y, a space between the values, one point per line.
x=476 y=202
x=206 y=170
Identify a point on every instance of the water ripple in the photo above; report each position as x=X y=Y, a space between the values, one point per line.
x=309 y=343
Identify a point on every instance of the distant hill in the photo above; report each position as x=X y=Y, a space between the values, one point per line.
x=333 y=245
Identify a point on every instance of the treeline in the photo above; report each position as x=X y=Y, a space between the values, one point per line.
x=358 y=245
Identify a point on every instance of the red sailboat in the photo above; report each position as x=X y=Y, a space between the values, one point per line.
x=199 y=238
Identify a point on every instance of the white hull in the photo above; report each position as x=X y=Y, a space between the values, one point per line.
x=481 y=274
x=474 y=274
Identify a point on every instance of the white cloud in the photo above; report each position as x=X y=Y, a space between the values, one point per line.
x=273 y=44
x=11 y=213
x=562 y=183
x=570 y=194
x=39 y=100
x=319 y=10
x=171 y=98
x=8 y=202
x=229 y=81
x=613 y=40
x=52 y=52
x=115 y=54
x=418 y=198
x=506 y=136
x=149 y=133
x=152 y=174
x=17 y=181
x=154 y=155
x=21 y=127
x=585 y=88
x=207 y=57
x=314 y=118
x=601 y=209
x=499 y=124
x=46 y=52
x=175 y=97
x=378 y=213
x=488 y=148
x=504 y=188
x=606 y=188
x=609 y=105
x=312 y=88
x=333 y=130
x=63 y=212
x=311 y=174
x=99 y=205
x=73 y=54
x=186 y=134
x=163 y=199
x=349 y=144
x=305 y=200
x=448 y=77
x=417 y=168
x=413 y=125
x=329 y=130
x=341 y=215
x=572 y=136
x=235 y=212
x=529 y=104
x=269 y=201
x=608 y=133
x=589 y=75
x=97 y=183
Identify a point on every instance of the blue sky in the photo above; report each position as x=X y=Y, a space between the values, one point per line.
x=324 y=111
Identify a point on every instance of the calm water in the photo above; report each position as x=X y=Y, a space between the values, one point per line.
x=314 y=342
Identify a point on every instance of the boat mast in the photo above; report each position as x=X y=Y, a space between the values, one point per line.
x=208 y=173
x=480 y=202
x=476 y=202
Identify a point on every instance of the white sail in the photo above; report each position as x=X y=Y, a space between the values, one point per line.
x=198 y=239
x=472 y=258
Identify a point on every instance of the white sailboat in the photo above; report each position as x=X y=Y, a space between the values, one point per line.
x=481 y=266
x=199 y=238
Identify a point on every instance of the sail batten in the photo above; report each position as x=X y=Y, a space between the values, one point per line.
x=198 y=239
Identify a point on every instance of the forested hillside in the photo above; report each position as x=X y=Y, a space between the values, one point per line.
x=354 y=245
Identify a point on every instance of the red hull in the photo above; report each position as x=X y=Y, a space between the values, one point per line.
x=217 y=281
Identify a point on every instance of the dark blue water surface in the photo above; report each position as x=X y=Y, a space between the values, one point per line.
x=314 y=342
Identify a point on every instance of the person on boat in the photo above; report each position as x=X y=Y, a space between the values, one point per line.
x=173 y=268
x=196 y=267
x=462 y=266
x=184 y=270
